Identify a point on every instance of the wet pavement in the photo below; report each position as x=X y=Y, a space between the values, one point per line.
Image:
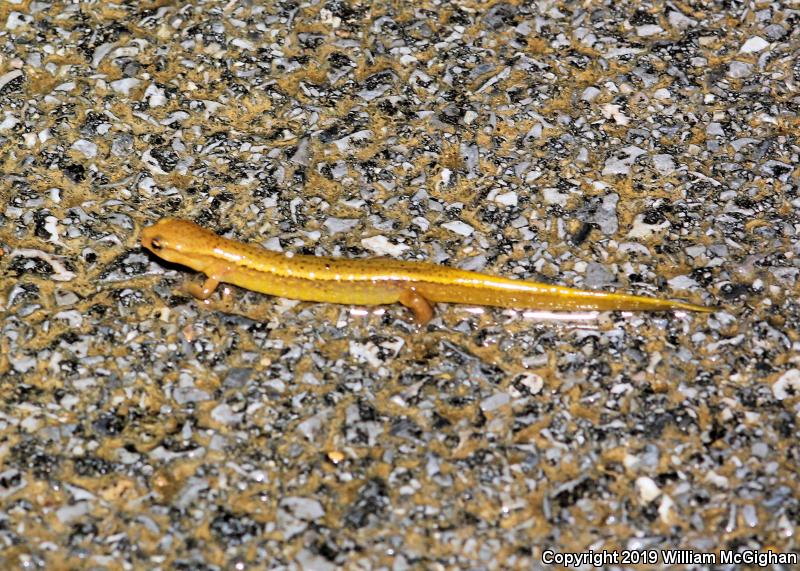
x=639 y=147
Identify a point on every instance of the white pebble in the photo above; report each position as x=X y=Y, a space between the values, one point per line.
x=421 y=222
x=620 y=163
x=665 y=509
x=642 y=230
x=647 y=488
x=124 y=86
x=473 y=263
x=65 y=297
x=788 y=385
x=590 y=93
x=80 y=494
x=611 y=110
x=8 y=121
x=73 y=318
x=662 y=94
x=696 y=251
x=68 y=513
x=460 y=228
x=532 y=382
x=125 y=51
x=311 y=426
x=740 y=70
x=383 y=247
x=495 y=401
x=750 y=515
x=507 y=199
x=682 y=282
x=366 y=352
x=753 y=45
x=303 y=508
x=553 y=196
x=86 y=148
x=678 y=20
x=664 y=164
x=719 y=481
x=243 y=44
x=648 y=30
x=16 y=19
x=348 y=142
x=155 y=96
x=100 y=52
x=273 y=244
x=336 y=225
x=30 y=424
x=224 y=414
x=184 y=395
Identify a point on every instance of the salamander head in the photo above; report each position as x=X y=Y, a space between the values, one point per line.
x=179 y=241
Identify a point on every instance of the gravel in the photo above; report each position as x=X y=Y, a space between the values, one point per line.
x=616 y=147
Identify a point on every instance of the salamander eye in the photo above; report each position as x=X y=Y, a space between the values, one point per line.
x=156 y=244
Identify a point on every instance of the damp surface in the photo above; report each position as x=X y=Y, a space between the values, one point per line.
x=625 y=146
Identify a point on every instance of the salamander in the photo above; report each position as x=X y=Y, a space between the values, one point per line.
x=371 y=281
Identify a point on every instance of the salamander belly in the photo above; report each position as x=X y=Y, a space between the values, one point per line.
x=367 y=292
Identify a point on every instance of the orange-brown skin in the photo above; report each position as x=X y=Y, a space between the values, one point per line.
x=373 y=281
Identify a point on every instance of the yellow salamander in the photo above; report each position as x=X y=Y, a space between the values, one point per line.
x=374 y=281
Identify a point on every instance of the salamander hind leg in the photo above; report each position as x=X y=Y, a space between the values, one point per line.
x=421 y=307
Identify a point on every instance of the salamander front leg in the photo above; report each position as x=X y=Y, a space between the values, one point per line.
x=215 y=275
x=203 y=291
x=421 y=307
